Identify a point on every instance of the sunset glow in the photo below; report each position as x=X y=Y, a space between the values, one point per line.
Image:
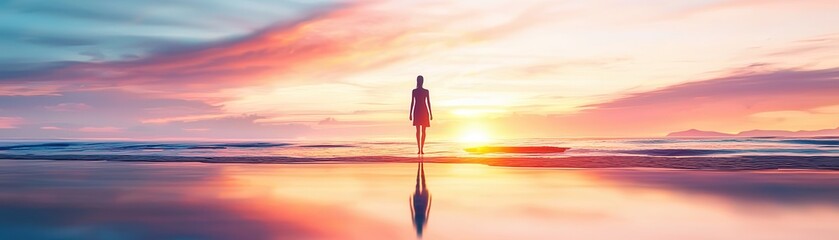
x=344 y=69
x=474 y=135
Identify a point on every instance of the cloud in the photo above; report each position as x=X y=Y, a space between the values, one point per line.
x=278 y=47
x=94 y=54
x=59 y=41
x=10 y=122
x=46 y=32
x=352 y=39
x=229 y=127
x=724 y=102
x=185 y=118
x=111 y=107
x=100 y=129
x=328 y=121
x=20 y=90
x=729 y=103
x=770 y=90
x=196 y=129
x=750 y=5
x=221 y=127
x=68 y=107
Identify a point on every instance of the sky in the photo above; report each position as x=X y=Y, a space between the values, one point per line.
x=212 y=69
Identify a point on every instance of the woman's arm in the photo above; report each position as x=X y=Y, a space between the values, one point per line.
x=411 y=111
x=428 y=103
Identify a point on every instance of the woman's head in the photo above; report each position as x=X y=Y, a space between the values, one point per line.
x=419 y=81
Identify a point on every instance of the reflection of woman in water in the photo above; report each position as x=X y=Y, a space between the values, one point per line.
x=420 y=201
x=420 y=112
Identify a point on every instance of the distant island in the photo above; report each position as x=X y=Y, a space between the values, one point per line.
x=757 y=133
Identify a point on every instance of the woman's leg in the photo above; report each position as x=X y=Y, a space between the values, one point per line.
x=419 y=147
x=422 y=146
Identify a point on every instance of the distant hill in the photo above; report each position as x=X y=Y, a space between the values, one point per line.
x=757 y=133
x=698 y=133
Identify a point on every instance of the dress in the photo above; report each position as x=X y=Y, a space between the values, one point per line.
x=420 y=108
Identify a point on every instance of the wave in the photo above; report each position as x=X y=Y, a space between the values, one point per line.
x=677 y=152
x=708 y=152
x=38 y=146
x=822 y=142
x=123 y=146
x=326 y=146
x=252 y=145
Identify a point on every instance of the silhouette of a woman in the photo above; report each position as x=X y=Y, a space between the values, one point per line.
x=420 y=112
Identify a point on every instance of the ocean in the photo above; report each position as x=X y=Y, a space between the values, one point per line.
x=650 y=147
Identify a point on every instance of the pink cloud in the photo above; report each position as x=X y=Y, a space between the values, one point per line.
x=50 y=128
x=29 y=89
x=328 y=121
x=751 y=4
x=344 y=41
x=187 y=118
x=68 y=107
x=196 y=129
x=317 y=42
x=808 y=46
x=228 y=127
x=100 y=129
x=10 y=122
x=334 y=121
x=714 y=103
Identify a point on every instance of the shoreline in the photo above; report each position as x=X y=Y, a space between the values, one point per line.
x=740 y=163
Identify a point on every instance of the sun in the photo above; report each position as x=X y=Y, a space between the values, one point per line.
x=474 y=135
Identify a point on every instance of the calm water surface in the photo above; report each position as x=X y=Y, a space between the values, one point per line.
x=121 y=200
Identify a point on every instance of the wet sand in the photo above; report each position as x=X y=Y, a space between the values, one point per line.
x=190 y=200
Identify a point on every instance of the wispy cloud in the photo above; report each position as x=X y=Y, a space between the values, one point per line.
x=68 y=107
x=10 y=122
x=715 y=6
x=100 y=129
